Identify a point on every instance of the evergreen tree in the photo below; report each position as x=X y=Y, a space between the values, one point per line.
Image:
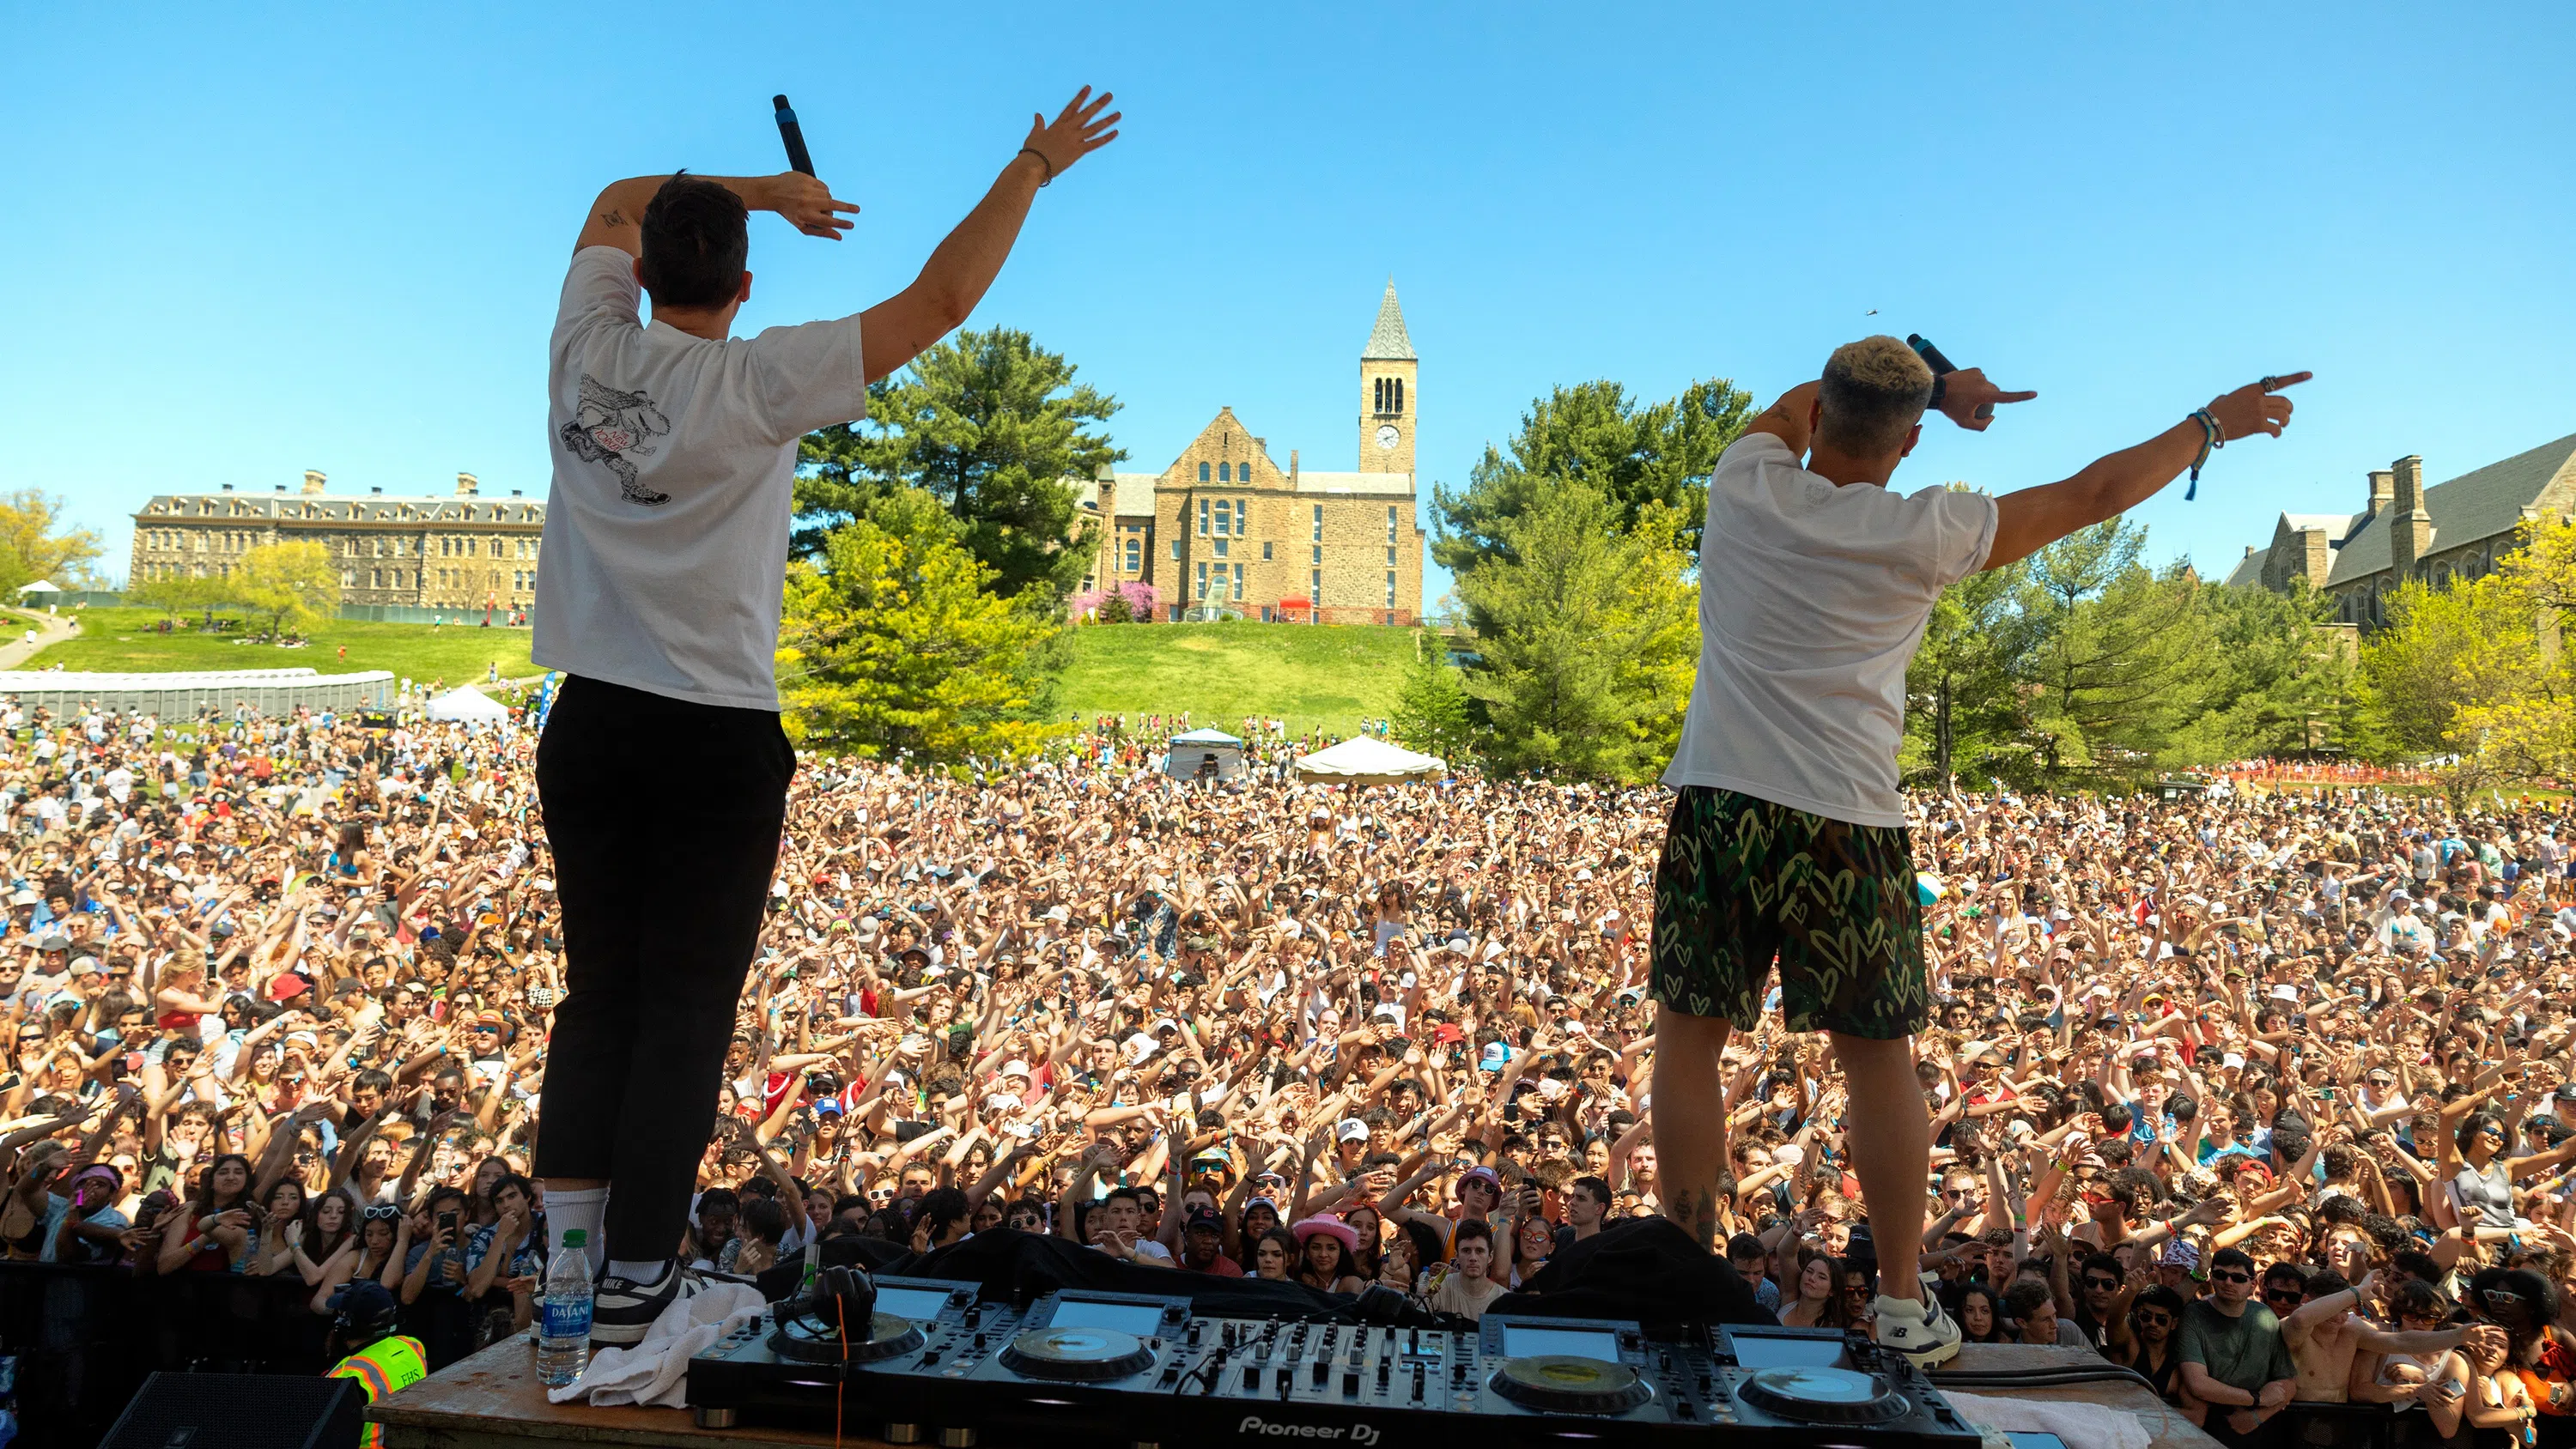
x=1431 y=708
x=1595 y=434
x=994 y=427
x=1587 y=638
x=896 y=646
x=1964 y=705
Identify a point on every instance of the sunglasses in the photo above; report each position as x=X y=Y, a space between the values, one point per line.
x=2282 y=1295
x=2105 y=1284
x=2230 y=1275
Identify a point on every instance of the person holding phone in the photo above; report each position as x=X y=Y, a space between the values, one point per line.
x=665 y=546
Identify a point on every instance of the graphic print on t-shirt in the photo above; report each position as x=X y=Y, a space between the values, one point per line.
x=611 y=425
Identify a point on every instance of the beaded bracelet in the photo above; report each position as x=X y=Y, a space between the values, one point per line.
x=2213 y=437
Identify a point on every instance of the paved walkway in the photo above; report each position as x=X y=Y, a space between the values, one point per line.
x=50 y=629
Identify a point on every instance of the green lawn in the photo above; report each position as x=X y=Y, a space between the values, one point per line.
x=1332 y=675
x=121 y=641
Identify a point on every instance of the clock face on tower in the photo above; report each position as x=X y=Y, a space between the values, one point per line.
x=1387 y=437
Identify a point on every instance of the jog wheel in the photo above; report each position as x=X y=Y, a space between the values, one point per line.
x=1077 y=1355
x=804 y=1339
x=1823 y=1396
x=1568 y=1384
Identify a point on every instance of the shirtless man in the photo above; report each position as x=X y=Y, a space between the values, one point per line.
x=2328 y=1332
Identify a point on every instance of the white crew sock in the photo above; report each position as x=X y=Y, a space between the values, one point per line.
x=642 y=1275
x=582 y=1209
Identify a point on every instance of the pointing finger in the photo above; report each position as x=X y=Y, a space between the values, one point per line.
x=2287 y=379
x=2005 y=397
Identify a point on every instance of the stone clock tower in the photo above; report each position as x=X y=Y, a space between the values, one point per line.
x=1386 y=392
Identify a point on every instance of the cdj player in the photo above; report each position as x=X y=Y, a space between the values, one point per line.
x=1136 y=1371
x=793 y=1367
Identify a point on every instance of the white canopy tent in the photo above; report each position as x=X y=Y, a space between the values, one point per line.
x=466 y=703
x=1368 y=761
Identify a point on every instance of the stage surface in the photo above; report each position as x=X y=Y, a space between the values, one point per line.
x=493 y=1401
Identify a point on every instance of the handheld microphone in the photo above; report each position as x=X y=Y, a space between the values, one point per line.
x=793 y=135
x=1921 y=344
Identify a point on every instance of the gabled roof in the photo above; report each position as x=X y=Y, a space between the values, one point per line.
x=1387 y=340
x=2248 y=572
x=2476 y=505
x=2335 y=526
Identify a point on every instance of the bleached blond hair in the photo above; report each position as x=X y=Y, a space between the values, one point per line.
x=1874 y=390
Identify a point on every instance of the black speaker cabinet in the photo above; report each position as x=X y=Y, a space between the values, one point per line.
x=240 y=1411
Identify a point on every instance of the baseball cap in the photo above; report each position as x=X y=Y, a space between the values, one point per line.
x=286 y=986
x=1351 y=1129
x=1015 y=1069
x=1494 y=1057
x=1204 y=1217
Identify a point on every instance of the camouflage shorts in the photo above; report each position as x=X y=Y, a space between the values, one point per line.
x=1745 y=881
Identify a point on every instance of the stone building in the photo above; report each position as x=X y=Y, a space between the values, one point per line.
x=2454 y=529
x=1224 y=530
x=461 y=552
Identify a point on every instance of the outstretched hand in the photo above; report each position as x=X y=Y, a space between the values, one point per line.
x=1077 y=131
x=808 y=205
x=2255 y=407
x=1969 y=400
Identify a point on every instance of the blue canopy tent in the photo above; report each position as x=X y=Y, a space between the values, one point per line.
x=1204 y=755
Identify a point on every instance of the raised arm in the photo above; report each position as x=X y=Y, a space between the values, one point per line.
x=2029 y=519
x=963 y=266
x=616 y=219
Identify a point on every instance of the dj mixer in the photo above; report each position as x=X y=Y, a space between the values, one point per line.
x=1137 y=1371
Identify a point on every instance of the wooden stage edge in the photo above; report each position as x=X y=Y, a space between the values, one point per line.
x=493 y=1401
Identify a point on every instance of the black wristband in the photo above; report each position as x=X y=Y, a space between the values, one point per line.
x=1940 y=387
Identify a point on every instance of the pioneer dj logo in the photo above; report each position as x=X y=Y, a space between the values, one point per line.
x=1347 y=1434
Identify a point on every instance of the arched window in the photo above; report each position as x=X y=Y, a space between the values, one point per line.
x=1377 y=396
x=1203 y=472
x=1396 y=388
x=1225 y=472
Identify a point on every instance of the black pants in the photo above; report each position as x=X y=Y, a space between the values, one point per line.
x=664 y=819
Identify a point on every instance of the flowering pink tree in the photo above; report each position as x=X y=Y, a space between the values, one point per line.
x=1134 y=602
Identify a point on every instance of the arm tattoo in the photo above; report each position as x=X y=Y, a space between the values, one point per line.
x=612 y=217
x=1695 y=1211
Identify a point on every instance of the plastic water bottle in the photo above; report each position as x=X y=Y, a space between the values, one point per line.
x=563 y=1321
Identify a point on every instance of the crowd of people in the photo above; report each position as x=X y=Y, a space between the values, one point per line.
x=2265 y=1095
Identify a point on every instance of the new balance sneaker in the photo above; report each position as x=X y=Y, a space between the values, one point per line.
x=623 y=1310
x=1918 y=1329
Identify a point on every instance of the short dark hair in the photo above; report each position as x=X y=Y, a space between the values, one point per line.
x=2232 y=1258
x=1598 y=1187
x=696 y=238
x=1471 y=1228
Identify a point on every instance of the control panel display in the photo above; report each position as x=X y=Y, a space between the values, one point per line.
x=1139 y=1319
x=1523 y=1341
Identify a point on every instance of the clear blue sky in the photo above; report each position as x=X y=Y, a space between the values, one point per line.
x=245 y=241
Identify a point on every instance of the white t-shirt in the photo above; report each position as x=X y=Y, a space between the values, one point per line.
x=665 y=550
x=1811 y=600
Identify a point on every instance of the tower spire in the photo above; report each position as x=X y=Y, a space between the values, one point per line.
x=1387 y=340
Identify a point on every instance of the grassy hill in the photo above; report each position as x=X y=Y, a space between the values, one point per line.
x=1333 y=675
x=1329 y=675
x=122 y=641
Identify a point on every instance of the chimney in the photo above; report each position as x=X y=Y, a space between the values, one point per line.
x=314 y=478
x=2383 y=489
x=1292 y=463
x=465 y=485
x=2249 y=550
x=2410 y=527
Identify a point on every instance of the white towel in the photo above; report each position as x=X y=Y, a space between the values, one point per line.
x=2094 y=1426
x=655 y=1373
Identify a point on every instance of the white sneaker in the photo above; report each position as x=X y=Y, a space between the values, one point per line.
x=1918 y=1329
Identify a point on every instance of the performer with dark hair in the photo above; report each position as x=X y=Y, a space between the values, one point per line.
x=665 y=553
x=1787 y=839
